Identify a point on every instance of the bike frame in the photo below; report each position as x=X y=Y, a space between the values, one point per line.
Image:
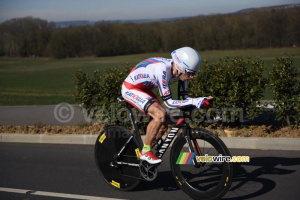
x=162 y=148
x=123 y=169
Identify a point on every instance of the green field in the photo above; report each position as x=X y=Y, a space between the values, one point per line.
x=42 y=81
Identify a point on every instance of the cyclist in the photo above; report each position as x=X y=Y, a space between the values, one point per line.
x=160 y=72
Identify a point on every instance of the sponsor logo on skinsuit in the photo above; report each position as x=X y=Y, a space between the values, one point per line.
x=136 y=97
x=179 y=102
x=167 y=92
x=164 y=77
x=139 y=76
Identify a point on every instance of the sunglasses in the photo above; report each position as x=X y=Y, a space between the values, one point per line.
x=190 y=72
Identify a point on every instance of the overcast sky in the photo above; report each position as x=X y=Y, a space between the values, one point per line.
x=95 y=10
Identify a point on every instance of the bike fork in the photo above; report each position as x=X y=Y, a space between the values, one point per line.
x=191 y=149
x=197 y=147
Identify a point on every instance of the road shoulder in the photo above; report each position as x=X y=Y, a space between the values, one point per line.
x=231 y=142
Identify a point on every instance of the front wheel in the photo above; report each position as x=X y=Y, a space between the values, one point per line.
x=207 y=180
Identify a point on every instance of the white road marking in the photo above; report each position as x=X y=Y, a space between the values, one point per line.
x=53 y=194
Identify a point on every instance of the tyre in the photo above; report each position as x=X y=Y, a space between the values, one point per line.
x=109 y=142
x=210 y=180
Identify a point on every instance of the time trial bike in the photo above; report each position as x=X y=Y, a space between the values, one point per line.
x=117 y=153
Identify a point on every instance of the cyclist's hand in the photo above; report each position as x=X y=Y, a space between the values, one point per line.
x=210 y=100
x=203 y=103
x=197 y=102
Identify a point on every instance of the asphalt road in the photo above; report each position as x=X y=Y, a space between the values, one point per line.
x=52 y=171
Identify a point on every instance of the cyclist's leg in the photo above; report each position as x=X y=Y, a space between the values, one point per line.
x=163 y=128
x=158 y=113
x=161 y=131
x=148 y=104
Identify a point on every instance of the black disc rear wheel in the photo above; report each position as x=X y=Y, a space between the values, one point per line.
x=109 y=142
x=208 y=180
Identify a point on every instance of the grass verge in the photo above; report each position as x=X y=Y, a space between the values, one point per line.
x=45 y=81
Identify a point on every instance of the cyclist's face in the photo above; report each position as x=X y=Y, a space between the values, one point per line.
x=186 y=77
x=189 y=75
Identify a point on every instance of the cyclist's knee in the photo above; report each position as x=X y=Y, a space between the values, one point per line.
x=158 y=113
x=161 y=115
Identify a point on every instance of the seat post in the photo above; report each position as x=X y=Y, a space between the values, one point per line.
x=132 y=118
x=136 y=131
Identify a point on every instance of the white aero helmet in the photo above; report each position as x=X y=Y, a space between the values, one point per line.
x=186 y=59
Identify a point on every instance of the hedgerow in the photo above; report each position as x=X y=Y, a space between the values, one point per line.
x=236 y=83
x=285 y=85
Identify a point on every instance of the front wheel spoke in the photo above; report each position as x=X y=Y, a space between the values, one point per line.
x=208 y=151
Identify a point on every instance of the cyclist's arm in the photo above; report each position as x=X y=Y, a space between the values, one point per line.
x=165 y=92
x=182 y=90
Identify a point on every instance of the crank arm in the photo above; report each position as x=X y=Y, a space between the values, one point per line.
x=128 y=164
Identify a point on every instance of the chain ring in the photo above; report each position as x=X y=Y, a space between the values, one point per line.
x=148 y=171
